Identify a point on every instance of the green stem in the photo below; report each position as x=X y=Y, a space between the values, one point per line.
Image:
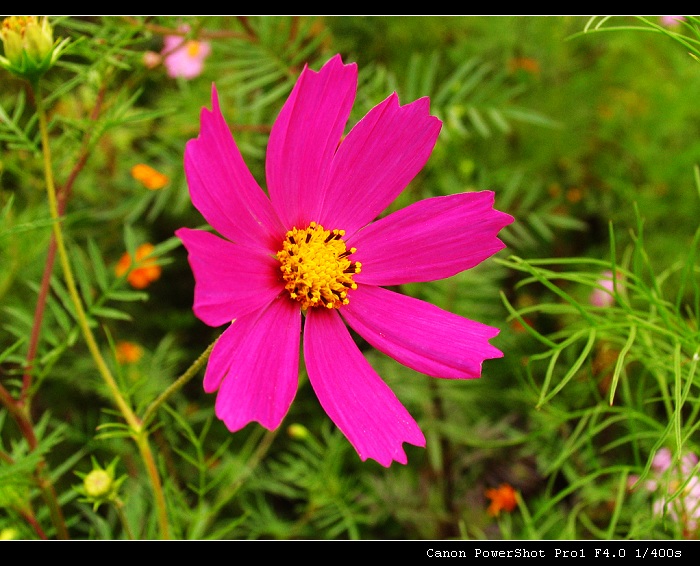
x=68 y=275
x=178 y=384
x=139 y=434
x=62 y=195
x=152 y=469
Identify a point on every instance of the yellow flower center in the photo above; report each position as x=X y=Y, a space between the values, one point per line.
x=193 y=48
x=316 y=267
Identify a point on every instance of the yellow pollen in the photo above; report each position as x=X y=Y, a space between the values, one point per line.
x=316 y=267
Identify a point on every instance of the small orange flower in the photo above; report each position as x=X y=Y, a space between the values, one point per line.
x=128 y=352
x=527 y=64
x=503 y=498
x=144 y=273
x=149 y=177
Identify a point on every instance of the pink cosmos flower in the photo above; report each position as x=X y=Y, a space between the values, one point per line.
x=184 y=58
x=309 y=252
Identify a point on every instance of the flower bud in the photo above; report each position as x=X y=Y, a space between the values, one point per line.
x=29 y=46
x=99 y=484
x=297 y=431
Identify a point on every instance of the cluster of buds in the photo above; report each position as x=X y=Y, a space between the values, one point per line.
x=29 y=47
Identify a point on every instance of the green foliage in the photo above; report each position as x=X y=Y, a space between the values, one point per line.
x=586 y=130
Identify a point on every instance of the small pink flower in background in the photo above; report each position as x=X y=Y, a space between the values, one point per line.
x=603 y=297
x=662 y=460
x=308 y=247
x=667 y=478
x=184 y=58
x=672 y=21
x=688 y=463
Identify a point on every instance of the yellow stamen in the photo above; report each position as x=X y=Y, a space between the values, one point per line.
x=316 y=267
x=18 y=23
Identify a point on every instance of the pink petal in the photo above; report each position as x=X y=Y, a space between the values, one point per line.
x=172 y=42
x=431 y=239
x=256 y=363
x=204 y=50
x=223 y=189
x=662 y=460
x=184 y=67
x=376 y=161
x=221 y=356
x=230 y=280
x=356 y=399
x=304 y=139
x=420 y=335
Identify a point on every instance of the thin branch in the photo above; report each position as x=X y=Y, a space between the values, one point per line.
x=34 y=524
x=178 y=384
x=19 y=415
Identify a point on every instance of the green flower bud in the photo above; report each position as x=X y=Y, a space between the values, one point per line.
x=297 y=431
x=29 y=46
x=99 y=484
